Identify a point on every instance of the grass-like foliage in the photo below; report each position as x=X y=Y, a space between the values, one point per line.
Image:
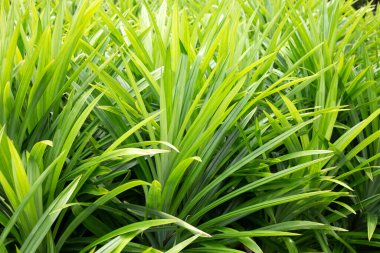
x=189 y=126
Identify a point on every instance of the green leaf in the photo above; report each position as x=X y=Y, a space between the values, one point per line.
x=44 y=224
x=371 y=224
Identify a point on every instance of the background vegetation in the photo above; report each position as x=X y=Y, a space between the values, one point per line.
x=189 y=126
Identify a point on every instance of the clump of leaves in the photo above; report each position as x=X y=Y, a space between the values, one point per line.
x=189 y=126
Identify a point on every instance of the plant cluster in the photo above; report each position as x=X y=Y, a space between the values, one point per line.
x=189 y=126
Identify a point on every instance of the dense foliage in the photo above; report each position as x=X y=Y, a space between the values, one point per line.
x=189 y=126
